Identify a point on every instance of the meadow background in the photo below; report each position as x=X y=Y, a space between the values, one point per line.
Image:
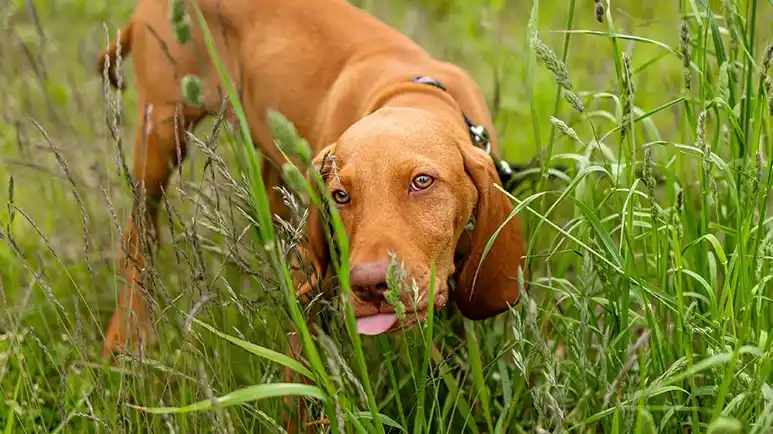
x=650 y=305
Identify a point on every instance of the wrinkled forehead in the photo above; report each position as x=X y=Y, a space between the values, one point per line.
x=401 y=137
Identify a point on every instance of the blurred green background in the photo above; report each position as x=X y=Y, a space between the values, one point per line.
x=58 y=279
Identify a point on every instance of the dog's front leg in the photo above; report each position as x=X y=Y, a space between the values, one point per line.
x=159 y=148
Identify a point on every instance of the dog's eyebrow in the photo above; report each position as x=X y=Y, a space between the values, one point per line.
x=334 y=166
x=328 y=167
x=326 y=173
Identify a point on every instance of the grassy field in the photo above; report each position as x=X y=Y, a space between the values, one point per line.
x=650 y=305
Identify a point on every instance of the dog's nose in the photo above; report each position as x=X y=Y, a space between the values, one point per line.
x=369 y=280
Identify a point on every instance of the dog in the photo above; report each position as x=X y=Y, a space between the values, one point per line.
x=405 y=143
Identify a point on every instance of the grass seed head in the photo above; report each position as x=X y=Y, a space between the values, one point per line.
x=11 y=206
x=395 y=281
x=599 y=11
x=559 y=70
x=649 y=181
x=176 y=11
x=684 y=49
x=628 y=74
x=700 y=132
x=729 y=10
x=766 y=59
x=552 y=63
x=684 y=40
x=293 y=177
x=182 y=30
x=679 y=204
x=769 y=92
x=687 y=79
x=191 y=88
x=628 y=91
x=564 y=128
x=703 y=145
x=647 y=171
x=574 y=101
x=287 y=137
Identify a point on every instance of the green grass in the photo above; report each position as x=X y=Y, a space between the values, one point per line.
x=650 y=304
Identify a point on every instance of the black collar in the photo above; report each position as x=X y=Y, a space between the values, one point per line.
x=478 y=134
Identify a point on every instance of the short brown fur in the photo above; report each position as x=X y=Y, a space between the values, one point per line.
x=344 y=79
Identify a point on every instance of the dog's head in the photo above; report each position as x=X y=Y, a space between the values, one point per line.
x=413 y=187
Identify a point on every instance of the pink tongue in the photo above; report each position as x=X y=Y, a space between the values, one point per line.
x=376 y=324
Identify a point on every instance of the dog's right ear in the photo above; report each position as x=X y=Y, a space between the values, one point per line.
x=315 y=254
x=488 y=283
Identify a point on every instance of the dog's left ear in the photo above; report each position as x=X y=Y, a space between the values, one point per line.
x=488 y=288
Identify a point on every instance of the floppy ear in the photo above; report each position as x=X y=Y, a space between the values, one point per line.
x=488 y=288
x=314 y=254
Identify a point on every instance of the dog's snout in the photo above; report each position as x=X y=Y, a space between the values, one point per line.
x=369 y=280
x=369 y=273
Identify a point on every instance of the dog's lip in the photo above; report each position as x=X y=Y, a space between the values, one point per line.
x=420 y=305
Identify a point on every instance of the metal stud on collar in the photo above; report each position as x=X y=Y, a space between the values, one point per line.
x=480 y=137
x=504 y=168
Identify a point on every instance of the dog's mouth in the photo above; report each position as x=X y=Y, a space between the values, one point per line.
x=382 y=323
x=380 y=318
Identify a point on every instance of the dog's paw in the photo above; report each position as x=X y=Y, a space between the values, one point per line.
x=128 y=332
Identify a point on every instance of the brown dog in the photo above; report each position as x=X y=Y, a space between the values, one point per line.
x=410 y=173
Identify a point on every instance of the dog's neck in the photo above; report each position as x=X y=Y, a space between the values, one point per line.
x=424 y=97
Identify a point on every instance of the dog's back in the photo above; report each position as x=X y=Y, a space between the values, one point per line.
x=328 y=55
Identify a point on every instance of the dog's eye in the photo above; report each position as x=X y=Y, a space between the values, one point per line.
x=421 y=182
x=341 y=197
